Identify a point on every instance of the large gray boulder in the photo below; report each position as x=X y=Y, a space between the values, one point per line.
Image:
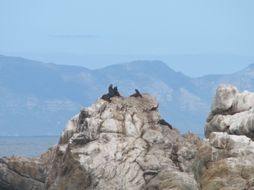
x=122 y=144
x=225 y=159
x=20 y=173
x=225 y=162
x=232 y=112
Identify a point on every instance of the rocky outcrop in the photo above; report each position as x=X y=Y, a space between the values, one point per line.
x=225 y=159
x=225 y=162
x=232 y=112
x=119 y=144
x=25 y=173
x=124 y=144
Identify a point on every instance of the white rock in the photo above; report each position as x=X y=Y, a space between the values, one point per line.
x=232 y=112
x=120 y=145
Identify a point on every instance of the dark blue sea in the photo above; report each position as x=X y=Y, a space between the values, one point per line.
x=26 y=146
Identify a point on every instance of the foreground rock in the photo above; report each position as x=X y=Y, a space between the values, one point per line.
x=225 y=160
x=123 y=144
x=110 y=145
x=25 y=173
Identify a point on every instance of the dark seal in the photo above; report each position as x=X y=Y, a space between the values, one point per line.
x=136 y=94
x=163 y=122
x=112 y=92
x=116 y=92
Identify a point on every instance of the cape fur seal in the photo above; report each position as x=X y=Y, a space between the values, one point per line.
x=136 y=94
x=112 y=92
x=106 y=97
x=163 y=122
x=116 y=93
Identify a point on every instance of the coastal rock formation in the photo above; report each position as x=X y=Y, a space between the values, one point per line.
x=124 y=144
x=119 y=144
x=232 y=112
x=225 y=160
x=18 y=173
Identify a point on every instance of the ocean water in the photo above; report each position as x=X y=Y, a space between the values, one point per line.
x=26 y=146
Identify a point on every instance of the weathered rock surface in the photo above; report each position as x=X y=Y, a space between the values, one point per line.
x=25 y=173
x=225 y=160
x=122 y=145
x=111 y=145
x=232 y=112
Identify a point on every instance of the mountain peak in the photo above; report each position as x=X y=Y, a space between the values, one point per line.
x=148 y=65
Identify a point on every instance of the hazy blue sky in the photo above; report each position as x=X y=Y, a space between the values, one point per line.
x=96 y=33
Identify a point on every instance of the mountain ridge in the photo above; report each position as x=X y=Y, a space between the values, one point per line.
x=41 y=97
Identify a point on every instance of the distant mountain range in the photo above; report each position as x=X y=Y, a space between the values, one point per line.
x=39 y=98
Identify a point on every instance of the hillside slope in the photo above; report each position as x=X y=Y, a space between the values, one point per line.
x=37 y=98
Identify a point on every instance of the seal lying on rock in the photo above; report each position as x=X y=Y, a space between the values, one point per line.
x=116 y=93
x=106 y=97
x=136 y=94
x=163 y=122
x=112 y=92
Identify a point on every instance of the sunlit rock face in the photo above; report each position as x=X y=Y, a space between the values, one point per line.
x=124 y=144
x=232 y=112
x=121 y=145
x=225 y=159
x=118 y=144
